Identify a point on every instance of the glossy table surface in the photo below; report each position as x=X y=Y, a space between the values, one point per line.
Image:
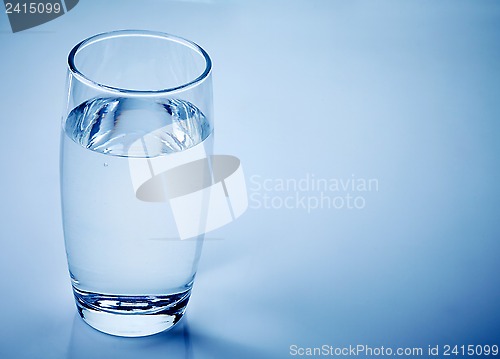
x=315 y=98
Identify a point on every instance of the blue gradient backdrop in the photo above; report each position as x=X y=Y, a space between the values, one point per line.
x=406 y=92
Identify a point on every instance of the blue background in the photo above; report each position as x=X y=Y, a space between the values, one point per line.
x=406 y=92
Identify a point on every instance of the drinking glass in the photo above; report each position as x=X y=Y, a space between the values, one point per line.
x=138 y=107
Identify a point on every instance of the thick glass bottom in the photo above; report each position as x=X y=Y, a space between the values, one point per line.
x=131 y=316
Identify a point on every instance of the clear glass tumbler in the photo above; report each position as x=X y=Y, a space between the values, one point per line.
x=139 y=105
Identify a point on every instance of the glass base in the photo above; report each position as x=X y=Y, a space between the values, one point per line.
x=131 y=316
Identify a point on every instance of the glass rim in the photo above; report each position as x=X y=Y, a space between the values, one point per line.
x=137 y=33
